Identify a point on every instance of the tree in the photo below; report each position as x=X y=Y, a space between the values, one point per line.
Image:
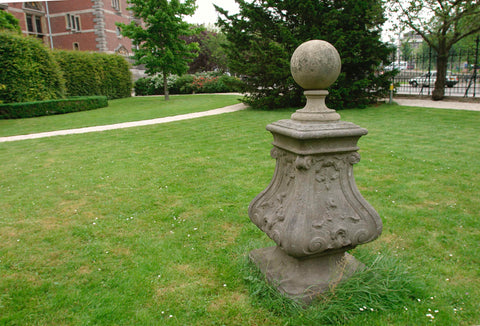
x=160 y=36
x=211 y=56
x=9 y=22
x=441 y=23
x=265 y=33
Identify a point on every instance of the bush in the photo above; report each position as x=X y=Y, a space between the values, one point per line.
x=183 y=85
x=144 y=86
x=29 y=71
x=9 y=22
x=50 y=107
x=188 y=84
x=88 y=74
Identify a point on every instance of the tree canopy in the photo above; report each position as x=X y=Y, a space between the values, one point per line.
x=211 y=56
x=265 y=33
x=159 y=35
x=441 y=23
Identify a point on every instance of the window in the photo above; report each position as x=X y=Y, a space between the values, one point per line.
x=30 y=24
x=73 y=22
x=116 y=4
x=38 y=24
x=33 y=5
x=76 y=46
x=34 y=25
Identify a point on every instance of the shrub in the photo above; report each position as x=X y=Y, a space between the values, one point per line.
x=144 y=86
x=188 y=84
x=89 y=74
x=29 y=71
x=182 y=85
x=50 y=107
x=9 y=22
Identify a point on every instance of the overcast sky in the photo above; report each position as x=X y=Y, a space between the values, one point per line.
x=206 y=13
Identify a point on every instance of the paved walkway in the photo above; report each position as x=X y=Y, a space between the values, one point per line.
x=232 y=108
x=445 y=104
x=227 y=109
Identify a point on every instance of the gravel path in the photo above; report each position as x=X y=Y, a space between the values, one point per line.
x=227 y=109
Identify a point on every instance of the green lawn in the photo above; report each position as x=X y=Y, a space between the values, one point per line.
x=149 y=225
x=122 y=110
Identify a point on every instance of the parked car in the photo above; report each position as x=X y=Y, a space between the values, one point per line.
x=430 y=78
x=398 y=65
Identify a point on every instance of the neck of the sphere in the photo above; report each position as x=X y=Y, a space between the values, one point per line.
x=316 y=110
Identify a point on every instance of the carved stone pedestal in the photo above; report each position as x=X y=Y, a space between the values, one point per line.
x=312 y=208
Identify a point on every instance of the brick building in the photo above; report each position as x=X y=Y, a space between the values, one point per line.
x=86 y=25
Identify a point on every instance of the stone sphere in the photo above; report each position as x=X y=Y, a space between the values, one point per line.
x=315 y=65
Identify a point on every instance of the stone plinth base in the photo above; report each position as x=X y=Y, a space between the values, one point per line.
x=304 y=279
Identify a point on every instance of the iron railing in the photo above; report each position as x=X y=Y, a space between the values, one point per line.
x=417 y=74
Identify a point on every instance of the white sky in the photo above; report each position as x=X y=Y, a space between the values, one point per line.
x=206 y=13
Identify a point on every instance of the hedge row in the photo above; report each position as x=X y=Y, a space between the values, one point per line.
x=88 y=74
x=28 y=71
x=188 y=84
x=32 y=72
x=50 y=107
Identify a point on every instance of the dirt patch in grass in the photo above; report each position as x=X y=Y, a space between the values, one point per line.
x=227 y=300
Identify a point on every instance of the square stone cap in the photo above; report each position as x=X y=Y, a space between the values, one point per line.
x=304 y=130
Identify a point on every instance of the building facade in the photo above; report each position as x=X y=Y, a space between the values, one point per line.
x=86 y=25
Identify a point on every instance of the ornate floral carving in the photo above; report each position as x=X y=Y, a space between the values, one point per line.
x=312 y=205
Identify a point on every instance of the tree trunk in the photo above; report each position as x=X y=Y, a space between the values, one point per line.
x=165 y=87
x=439 y=91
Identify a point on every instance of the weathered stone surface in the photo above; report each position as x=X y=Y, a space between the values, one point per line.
x=304 y=279
x=312 y=208
x=315 y=65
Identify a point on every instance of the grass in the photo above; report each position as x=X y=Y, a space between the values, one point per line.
x=148 y=226
x=122 y=110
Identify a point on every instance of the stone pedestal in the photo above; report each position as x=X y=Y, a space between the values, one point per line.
x=312 y=208
x=304 y=279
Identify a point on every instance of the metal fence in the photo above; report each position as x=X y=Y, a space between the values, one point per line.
x=417 y=74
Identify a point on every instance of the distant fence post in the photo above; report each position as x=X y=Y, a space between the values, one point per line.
x=475 y=70
x=429 y=67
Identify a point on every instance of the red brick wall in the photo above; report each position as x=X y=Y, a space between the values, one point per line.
x=16 y=9
x=86 y=37
x=69 y=5
x=111 y=17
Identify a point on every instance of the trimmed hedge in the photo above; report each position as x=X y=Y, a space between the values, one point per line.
x=89 y=74
x=28 y=71
x=51 y=107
